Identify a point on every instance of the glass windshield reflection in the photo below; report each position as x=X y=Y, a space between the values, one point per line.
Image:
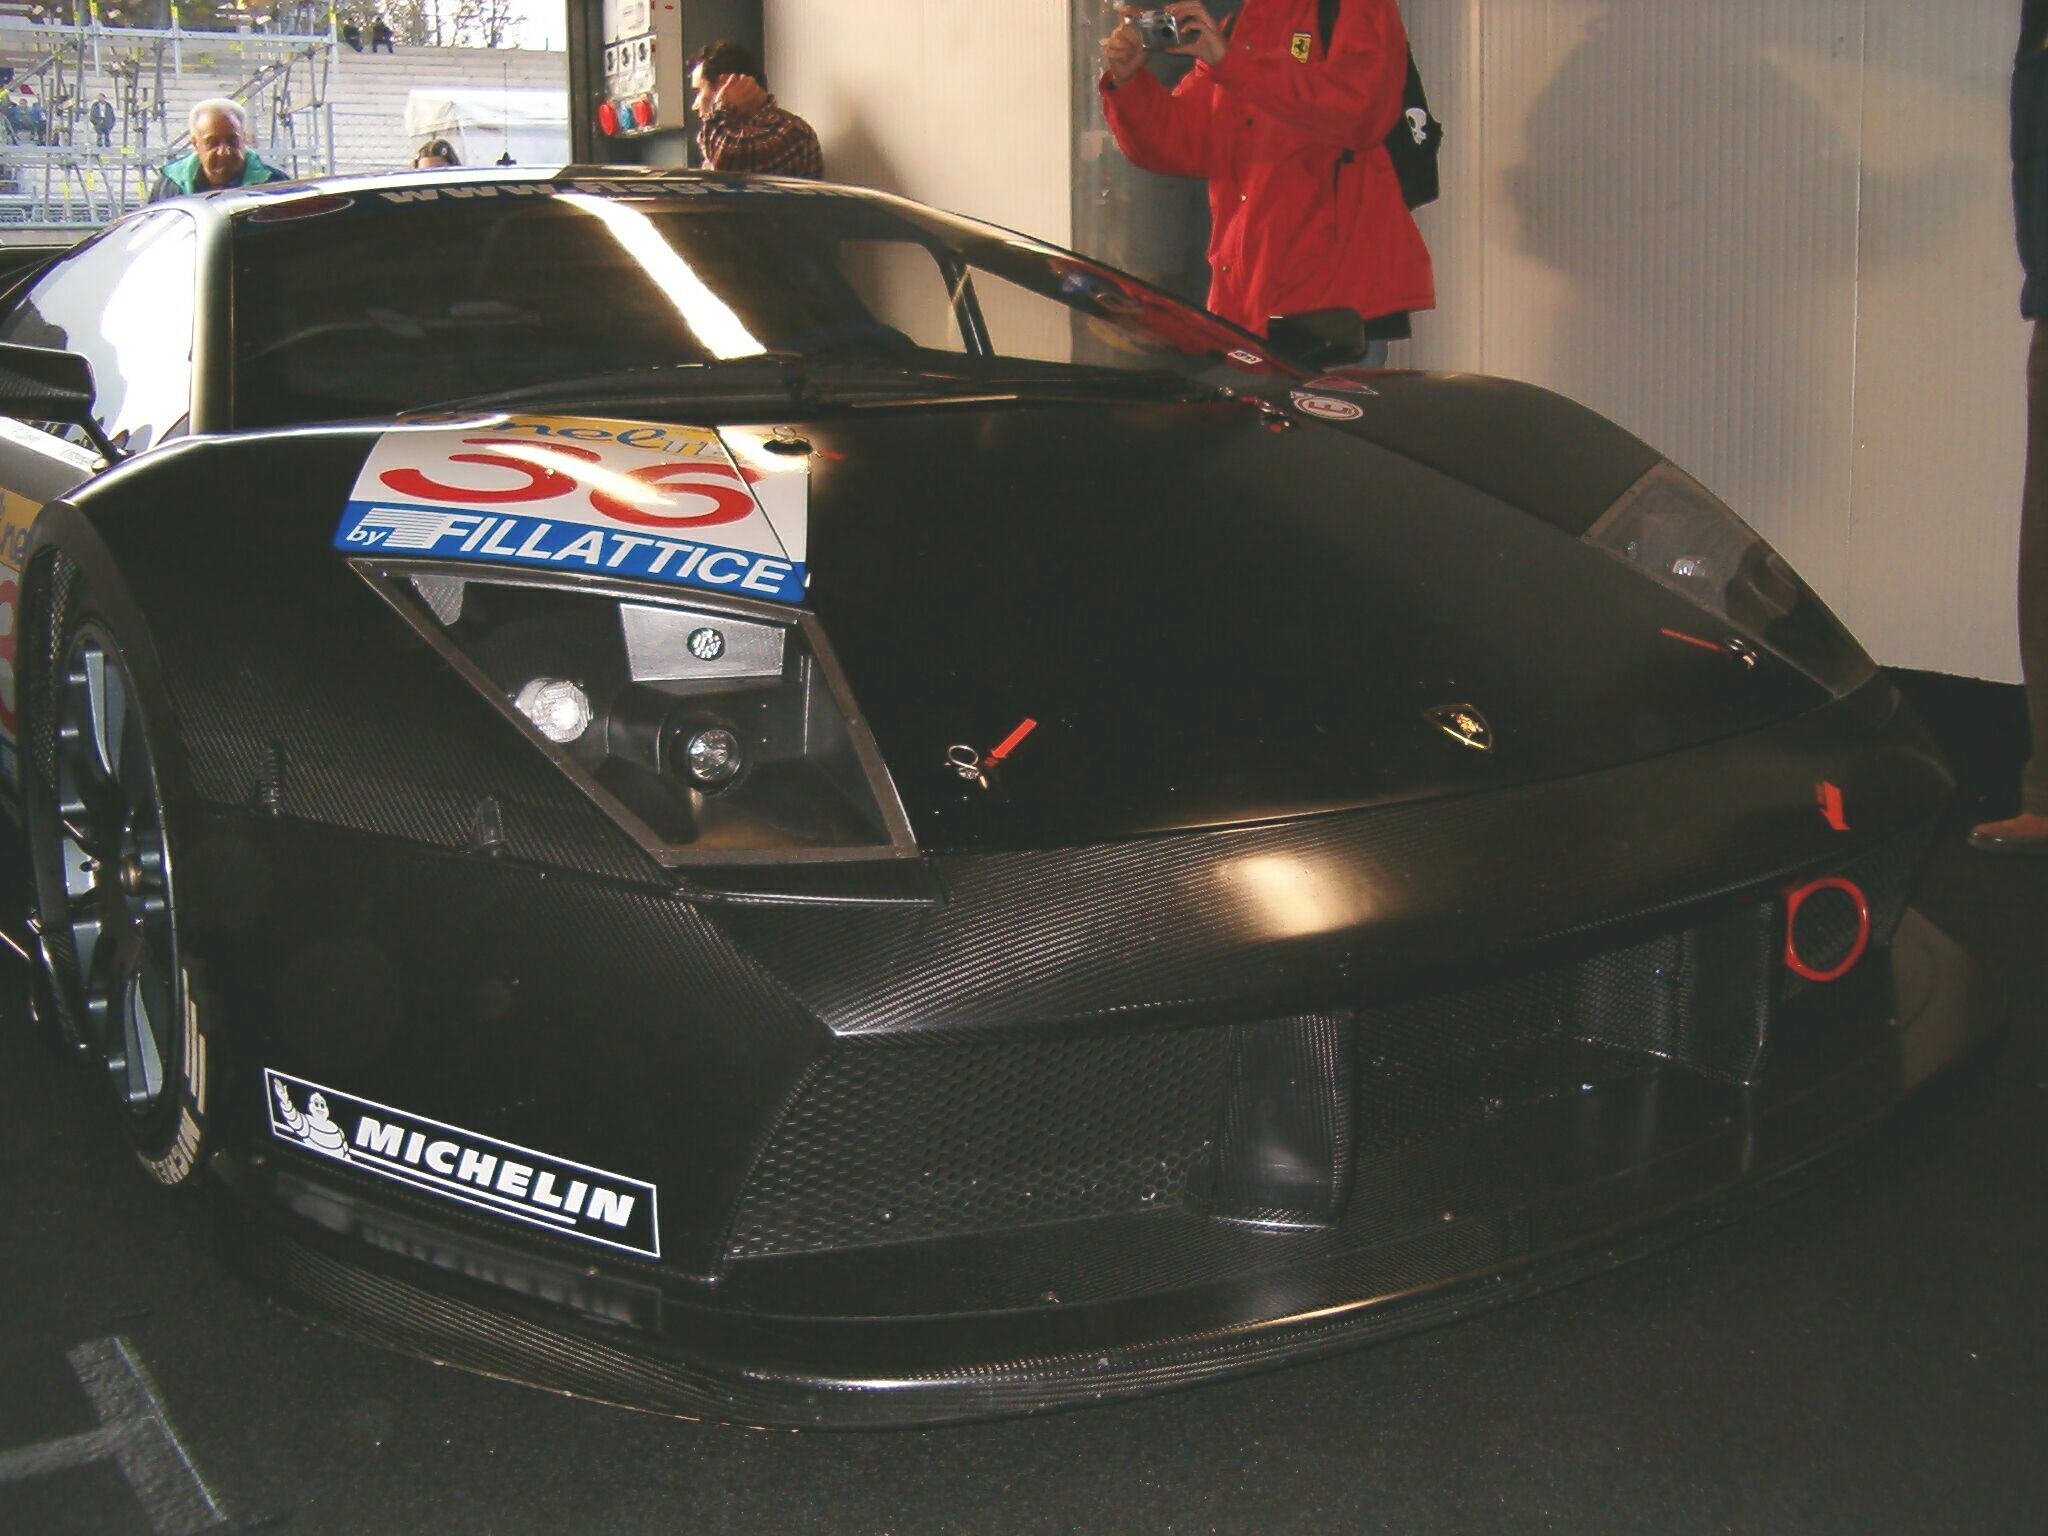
x=386 y=309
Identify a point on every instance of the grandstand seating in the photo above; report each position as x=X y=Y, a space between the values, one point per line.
x=73 y=184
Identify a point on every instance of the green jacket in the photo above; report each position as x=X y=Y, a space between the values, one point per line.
x=181 y=177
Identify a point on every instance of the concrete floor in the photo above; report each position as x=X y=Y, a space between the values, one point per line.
x=1869 y=1356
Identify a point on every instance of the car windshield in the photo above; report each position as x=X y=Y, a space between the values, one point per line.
x=554 y=293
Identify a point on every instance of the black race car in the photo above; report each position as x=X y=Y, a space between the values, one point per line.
x=750 y=799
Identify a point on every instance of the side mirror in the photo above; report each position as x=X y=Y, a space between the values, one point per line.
x=1321 y=338
x=43 y=384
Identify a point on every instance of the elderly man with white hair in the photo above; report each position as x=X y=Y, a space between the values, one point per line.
x=220 y=156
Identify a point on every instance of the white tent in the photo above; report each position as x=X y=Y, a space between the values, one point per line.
x=482 y=123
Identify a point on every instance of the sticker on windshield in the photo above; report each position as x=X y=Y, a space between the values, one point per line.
x=615 y=498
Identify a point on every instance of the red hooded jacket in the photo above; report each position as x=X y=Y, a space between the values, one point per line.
x=1294 y=225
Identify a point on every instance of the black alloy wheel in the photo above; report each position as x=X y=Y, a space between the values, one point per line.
x=107 y=920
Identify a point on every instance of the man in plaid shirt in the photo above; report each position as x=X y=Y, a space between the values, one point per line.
x=739 y=126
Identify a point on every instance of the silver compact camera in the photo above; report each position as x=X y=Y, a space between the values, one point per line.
x=1157 y=29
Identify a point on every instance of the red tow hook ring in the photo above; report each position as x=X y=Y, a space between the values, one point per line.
x=1793 y=962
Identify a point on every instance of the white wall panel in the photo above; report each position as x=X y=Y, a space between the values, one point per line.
x=1774 y=239
x=1941 y=356
x=959 y=103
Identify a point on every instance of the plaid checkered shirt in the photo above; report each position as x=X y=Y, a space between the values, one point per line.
x=772 y=142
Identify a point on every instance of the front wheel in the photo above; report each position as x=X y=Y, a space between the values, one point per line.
x=106 y=914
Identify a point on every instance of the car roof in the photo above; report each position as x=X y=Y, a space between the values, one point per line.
x=602 y=180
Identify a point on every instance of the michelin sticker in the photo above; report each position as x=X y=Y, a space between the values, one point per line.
x=613 y=498
x=496 y=1176
x=1325 y=408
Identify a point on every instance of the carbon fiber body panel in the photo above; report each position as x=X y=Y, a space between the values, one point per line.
x=1258 y=920
x=1626 y=1170
x=1057 y=1039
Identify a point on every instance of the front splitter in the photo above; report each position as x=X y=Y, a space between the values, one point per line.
x=388 y=1277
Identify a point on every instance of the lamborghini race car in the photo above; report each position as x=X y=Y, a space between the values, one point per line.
x=747 y=798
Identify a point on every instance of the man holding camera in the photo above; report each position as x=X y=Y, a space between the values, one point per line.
x=1286 y=118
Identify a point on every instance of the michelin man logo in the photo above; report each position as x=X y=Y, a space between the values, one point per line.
x=314 y=1127
x=570 y=1199
x=1418 y=124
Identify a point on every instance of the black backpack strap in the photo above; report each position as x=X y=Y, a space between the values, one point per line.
x=1326 y=18
x=1413 y=143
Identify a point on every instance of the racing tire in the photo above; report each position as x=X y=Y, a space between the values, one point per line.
x=113 y=977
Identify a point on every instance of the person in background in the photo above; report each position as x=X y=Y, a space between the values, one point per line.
x=1287 y=126
x=220 y=156
x=2028 y=831
x=380 y=36
x=739 y=125
x=101 y=115
x=434 y=155
x=352 y=35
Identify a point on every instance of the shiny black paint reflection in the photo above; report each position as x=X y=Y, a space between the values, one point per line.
x=1213 y=625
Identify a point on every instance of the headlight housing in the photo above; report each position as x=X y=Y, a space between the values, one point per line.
x=1675 y=531
x=712 y=731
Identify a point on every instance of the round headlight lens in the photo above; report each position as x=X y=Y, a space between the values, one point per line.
x=558 y=708
x=712 y=756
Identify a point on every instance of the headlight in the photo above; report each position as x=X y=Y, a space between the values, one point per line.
x=711 y=731
x=1672 y=529
x=556 y=707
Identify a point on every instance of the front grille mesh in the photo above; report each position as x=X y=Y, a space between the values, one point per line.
x=890 y=1141
x=1441 y=1065
x=895 y=1138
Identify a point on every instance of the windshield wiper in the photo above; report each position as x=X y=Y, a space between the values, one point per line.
x=783 y=371
x=1107 y=383
x=1158 y=389
x=792 y=377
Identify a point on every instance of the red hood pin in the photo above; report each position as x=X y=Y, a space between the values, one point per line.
x=1830 y=801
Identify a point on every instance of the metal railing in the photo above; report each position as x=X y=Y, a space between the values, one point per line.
x=56 y=174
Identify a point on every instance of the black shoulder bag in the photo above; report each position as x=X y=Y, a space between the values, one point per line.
x=1416 y=138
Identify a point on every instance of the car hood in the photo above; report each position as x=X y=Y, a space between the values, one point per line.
x=1137 y=618
x=1206 y=620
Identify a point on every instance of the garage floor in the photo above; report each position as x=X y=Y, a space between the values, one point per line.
x=1871 y=1355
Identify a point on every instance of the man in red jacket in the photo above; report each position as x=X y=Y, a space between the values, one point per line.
x=1305 y=211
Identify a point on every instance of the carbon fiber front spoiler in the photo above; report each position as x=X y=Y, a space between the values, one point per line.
x=1595 y=1182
